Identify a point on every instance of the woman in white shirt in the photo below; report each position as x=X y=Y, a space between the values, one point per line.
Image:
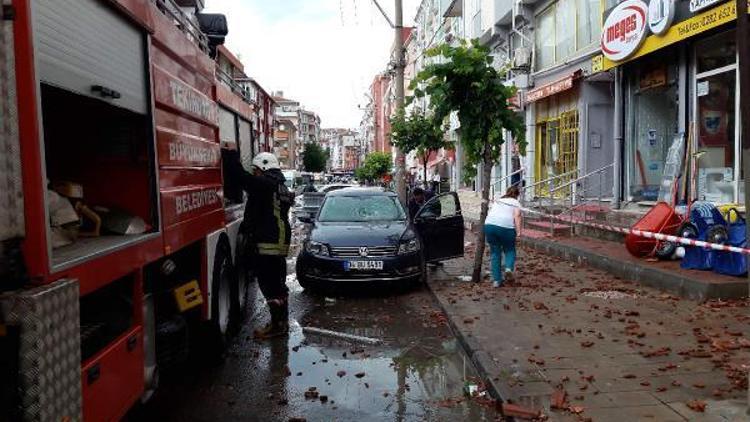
x=501 y=228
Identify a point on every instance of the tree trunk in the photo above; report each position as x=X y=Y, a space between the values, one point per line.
x=424 y=160
x=479 y=252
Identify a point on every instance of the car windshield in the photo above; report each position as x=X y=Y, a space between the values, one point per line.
x=361 y=209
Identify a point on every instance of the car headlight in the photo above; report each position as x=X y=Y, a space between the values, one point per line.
x=408 y=246
x=316 y=248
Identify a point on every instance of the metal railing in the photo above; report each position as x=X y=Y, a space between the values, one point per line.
x=183 y=22
x=238 y=89
x=550 y=179
x=574 y=193
x=504 y=178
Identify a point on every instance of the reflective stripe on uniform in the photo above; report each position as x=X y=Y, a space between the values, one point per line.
x=273 y=249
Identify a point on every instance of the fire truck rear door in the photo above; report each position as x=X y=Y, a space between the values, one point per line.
x=85 y=44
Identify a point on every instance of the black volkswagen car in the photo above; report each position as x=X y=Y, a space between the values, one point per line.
x=364 y=235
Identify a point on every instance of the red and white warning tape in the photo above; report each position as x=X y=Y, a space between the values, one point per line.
x=649 y=235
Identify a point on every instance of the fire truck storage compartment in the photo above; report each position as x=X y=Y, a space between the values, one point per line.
x=92 y=65
x=108 y=151
x=112 y=353
x=106 y=314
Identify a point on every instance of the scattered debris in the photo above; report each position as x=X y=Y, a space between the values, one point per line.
x=516 y=411
x=340 y=335
x=696 y=405
x=559 y=398
x=609 y=294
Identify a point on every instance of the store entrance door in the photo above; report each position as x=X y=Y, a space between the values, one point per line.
x=716 y=131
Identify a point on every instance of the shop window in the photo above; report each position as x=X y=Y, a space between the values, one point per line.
x=654 y=114
x=716 y=103
x=557 y=151
x=716 y=52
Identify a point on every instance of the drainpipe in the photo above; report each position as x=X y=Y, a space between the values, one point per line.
x=618 y=129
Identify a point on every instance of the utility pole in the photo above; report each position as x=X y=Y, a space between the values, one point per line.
x=399 y=46
x=399 y=65
x=743 y=55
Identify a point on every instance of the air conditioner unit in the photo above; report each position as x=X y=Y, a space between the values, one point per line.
x=522 y=58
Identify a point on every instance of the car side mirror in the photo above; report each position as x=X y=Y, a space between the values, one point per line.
x=306 y=219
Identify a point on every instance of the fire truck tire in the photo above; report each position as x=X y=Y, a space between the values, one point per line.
x=221 y=298
x=243 y=280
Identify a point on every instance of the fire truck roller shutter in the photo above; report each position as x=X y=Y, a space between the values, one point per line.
x=227 y=127
x=84 y=44
x=246 y=143
x=11 y=192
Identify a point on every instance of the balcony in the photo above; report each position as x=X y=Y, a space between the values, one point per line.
x=452 y=8
x=227 y=80
x=504 y=12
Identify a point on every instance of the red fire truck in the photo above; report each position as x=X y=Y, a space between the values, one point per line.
x=109 y=115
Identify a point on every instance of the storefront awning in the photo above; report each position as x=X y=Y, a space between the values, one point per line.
x=552 y=88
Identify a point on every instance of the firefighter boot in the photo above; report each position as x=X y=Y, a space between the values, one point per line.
x=279 y=325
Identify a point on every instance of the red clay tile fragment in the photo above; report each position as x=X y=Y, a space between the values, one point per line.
x=559 y=398
x=521 y=412
x=576 y=410
x=696 y=405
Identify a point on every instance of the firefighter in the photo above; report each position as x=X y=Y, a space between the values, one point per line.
x=267 y=226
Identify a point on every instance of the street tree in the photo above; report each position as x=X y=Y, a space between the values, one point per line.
x=420 y=133
x=314 y=158
x=465 y=82
x=375 y=167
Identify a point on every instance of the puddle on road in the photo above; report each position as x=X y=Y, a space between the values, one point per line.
x=418 y=373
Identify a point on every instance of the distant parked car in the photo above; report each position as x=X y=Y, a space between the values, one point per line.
x=363 y=235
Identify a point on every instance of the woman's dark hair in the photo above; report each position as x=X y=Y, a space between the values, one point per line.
x=512 y=192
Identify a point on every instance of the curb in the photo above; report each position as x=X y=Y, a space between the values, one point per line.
x=485 y=366
x=652 y=277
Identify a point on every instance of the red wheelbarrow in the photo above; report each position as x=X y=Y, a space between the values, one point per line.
x=662 y=218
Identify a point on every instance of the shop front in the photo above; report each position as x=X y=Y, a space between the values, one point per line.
x=679 y=75
x=570 y=120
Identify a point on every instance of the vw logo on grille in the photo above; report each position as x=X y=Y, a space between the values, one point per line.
x=363 y=251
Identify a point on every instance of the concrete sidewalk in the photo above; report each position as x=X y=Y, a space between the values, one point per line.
x=620 y=351
x=614 y=258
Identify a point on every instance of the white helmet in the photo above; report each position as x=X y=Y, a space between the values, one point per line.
x=266 y=161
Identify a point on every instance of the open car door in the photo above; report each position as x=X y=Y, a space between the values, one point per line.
x=441 y=227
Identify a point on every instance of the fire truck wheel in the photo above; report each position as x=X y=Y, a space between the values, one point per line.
x=221 y=297
x=244 y=277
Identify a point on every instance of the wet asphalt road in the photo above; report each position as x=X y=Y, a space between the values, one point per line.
x=417 y=373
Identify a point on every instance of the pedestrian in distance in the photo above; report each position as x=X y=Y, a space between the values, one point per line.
x=501 y=228
x=267 y=225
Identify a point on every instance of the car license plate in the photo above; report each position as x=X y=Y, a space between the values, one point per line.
x=363 y=265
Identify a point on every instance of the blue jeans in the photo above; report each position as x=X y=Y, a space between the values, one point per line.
x=502 y=241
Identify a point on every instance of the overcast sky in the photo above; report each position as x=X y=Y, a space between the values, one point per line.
x=323 y=53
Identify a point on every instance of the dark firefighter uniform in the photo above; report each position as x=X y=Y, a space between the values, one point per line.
x=267 y=226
